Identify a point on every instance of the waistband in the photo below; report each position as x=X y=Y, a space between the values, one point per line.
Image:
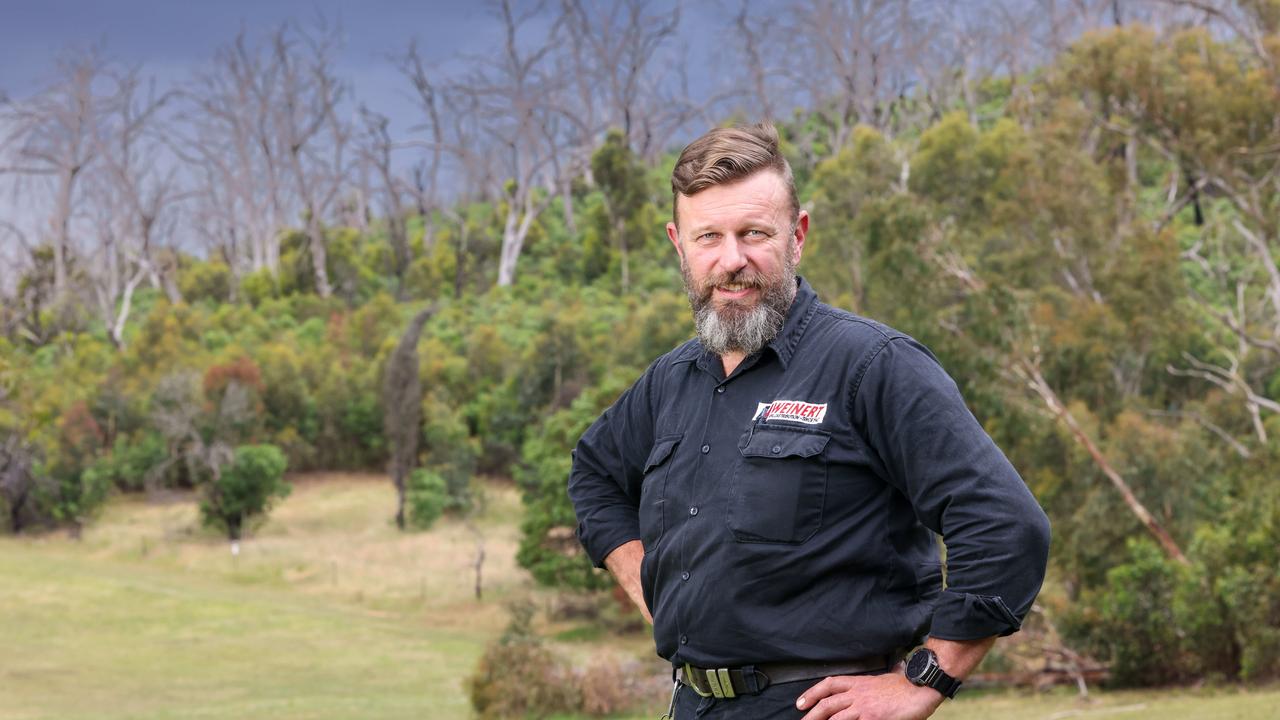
x=753 y=679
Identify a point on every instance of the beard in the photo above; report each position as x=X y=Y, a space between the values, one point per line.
x=744 y=327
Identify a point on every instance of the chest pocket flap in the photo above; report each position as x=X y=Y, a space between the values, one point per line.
x=653 y=489
x=661 y=451
x=779 y=486
x=766 y=443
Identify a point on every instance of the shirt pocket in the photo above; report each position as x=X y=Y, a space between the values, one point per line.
x=779 y=485
x=653 y=489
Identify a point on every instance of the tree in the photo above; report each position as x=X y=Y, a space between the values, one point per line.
x=506 y=96
x=56 y=135
x=18 y=484
x=244 y=490
x=402 y=408
x=621 y=179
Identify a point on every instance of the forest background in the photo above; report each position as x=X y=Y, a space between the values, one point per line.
x=1074 y=204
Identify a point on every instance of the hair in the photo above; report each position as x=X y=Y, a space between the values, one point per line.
x=726 y=155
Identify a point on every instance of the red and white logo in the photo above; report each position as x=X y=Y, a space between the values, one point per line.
x=793 y=411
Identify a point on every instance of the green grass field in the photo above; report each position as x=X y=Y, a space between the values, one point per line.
x=328 y=612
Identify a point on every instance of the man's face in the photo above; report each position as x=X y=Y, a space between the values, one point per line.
x=739 y=247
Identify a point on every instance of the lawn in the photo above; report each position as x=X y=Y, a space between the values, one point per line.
x=327 y=612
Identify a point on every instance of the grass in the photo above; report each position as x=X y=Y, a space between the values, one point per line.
x=328 y=612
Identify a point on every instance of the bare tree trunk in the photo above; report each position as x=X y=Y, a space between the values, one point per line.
x=1031 y=374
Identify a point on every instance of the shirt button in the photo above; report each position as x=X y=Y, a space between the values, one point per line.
x=684 y=639
x=684 y=576
x=706 y=449
x=776 y=449
x=693 y=510
x=720 y=389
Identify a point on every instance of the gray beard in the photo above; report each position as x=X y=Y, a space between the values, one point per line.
x=734 y=328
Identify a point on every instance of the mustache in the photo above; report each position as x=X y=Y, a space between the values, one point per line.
x=745 y=276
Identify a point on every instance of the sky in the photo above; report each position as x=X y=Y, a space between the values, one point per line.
x=171 y=38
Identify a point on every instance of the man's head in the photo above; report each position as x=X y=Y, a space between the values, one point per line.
x=739 y=230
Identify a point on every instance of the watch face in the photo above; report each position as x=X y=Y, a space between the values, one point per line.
x=917 y=664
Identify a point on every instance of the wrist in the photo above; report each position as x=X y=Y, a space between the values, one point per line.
x=924 y=671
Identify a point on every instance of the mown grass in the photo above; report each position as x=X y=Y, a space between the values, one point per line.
x=328 y=612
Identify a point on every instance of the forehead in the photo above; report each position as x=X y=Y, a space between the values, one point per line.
x=759 y=196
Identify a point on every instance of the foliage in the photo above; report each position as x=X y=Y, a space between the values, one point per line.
x=549 y=547
x=518 y=676
x=245 y=489
x=426 y=496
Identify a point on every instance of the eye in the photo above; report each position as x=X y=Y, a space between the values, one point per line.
x=707 y=238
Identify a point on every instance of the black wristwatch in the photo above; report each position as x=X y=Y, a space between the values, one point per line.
x=923 y=670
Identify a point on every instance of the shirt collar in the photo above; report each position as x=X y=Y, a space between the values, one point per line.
x=798 y=317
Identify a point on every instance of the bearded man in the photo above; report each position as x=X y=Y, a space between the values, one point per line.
x=770 y=493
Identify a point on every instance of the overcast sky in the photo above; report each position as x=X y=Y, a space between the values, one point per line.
x=171 y=38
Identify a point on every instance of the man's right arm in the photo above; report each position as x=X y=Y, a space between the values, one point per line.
x=624 y=563
x=604 y=485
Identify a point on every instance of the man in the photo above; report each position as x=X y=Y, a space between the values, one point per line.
x=771 y=489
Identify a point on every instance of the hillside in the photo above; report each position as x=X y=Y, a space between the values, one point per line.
x=327 y=612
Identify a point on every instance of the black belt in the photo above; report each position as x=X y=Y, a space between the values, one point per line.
x=753 y=679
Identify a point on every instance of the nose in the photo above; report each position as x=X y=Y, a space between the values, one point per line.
x=732 y=258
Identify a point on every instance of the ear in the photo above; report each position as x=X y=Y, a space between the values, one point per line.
x=802 y=231
x=674 y=236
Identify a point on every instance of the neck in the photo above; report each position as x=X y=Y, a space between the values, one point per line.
x=731 y=360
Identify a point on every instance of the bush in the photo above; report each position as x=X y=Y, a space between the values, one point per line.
x=130 y=466
x=426 y=497
x=518 y=677
x=245 y=489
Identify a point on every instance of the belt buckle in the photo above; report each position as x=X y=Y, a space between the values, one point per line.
x=721 y=685
x=718 y=682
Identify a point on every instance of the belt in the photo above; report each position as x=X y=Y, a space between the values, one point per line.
x=753 y=679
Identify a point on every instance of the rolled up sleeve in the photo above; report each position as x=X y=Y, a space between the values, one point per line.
x=961 y=486
x=608 y=467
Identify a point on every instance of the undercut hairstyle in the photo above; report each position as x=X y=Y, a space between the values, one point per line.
x=727 y=155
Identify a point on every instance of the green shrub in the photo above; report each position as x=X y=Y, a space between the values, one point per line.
x=518 y=677
x=426 y=497
x=245 y=489
x=130 y=465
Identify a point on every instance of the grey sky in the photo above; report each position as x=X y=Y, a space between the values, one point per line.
x=171 y=38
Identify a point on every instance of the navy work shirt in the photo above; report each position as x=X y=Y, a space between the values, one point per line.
x=788 y=511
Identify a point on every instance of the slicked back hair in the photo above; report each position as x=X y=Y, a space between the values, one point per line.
x=727 y=155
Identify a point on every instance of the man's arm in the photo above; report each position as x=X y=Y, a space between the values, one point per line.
x=604 y=483
x=962 y=487
x=624 y=563
x=892 y=696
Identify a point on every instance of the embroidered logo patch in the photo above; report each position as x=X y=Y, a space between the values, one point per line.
x=793 y=411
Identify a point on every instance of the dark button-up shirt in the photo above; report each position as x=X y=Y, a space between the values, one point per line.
x=788 y=511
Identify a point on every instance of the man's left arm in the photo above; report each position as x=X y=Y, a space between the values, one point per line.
x=962 y=487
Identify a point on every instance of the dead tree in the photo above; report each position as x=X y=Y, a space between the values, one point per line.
x=243 y=194
x=375 y=151
x=506 y=98
x=402 y=407
x=614 y=45
x=131 y=194
x=54 y=135
x=313 y=137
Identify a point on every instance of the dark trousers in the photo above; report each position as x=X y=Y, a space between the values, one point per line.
x=776 y=702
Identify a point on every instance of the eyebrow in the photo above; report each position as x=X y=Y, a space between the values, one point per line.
x=758 y=224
